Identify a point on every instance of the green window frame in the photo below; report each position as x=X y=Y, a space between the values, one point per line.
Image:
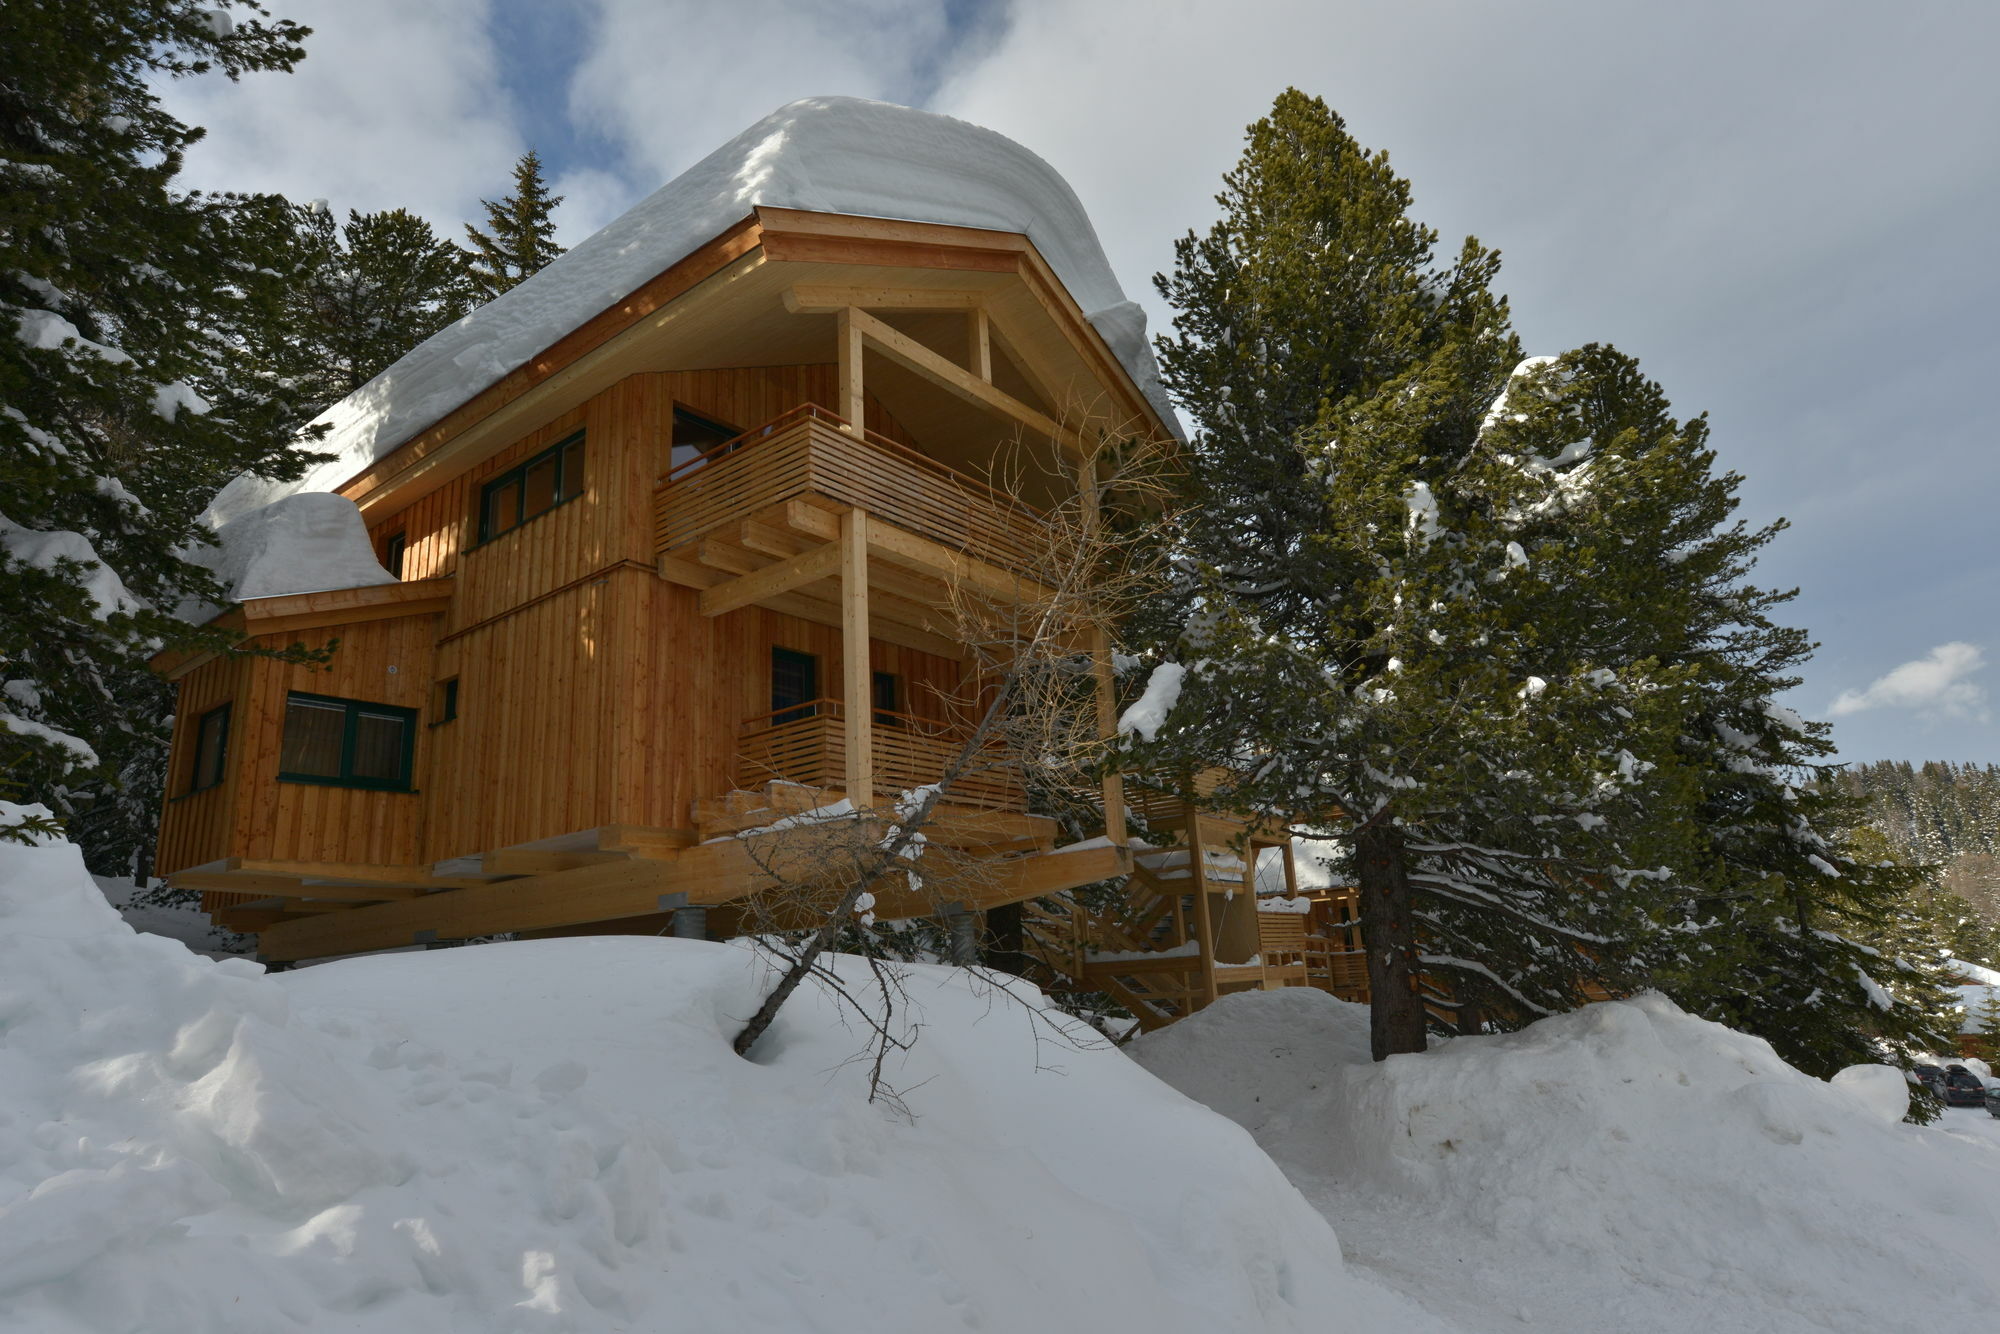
x=532 y=488
x=336 y=742
x=211 y=750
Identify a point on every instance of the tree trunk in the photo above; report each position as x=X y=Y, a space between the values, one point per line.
x=1396 y=1019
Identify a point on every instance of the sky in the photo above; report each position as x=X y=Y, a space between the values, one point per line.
x=1787 y=210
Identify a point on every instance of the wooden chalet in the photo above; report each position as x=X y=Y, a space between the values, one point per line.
x=676 y=578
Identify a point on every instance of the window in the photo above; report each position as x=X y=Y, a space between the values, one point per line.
x=794 y=685
x=211 y=749
x=545 y=481
x=392 y=553
x=888 y=690
x=694 y=436
x=444 y=701
x=347 y=743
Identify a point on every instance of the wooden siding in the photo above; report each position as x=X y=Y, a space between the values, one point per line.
x=195 y=826
x=591 y=692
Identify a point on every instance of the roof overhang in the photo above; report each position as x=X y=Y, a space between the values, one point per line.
x=734 y=302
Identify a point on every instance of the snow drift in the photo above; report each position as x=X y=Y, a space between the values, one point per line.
x=823 y=154
x=1626 y=1167
x=554 y=1135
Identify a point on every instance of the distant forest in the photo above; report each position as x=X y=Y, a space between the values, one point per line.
x=1939 y=814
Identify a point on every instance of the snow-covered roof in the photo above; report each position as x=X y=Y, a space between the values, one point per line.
x=822 y=154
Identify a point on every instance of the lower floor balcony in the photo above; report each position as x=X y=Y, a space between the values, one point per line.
x=807 y=744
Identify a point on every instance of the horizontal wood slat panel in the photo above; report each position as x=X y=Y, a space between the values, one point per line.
x=808 y=452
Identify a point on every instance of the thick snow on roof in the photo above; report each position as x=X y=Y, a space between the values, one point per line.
x=824 y=154
x=296 y=544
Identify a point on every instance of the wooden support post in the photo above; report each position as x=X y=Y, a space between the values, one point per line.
x=979 y=343
x=853 y=402
x=857 y=694
x=1204 y=917
x=1291 y=869
x=1100 y=664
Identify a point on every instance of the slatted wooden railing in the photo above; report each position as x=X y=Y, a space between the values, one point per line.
x=809 y=746
x=810 y=451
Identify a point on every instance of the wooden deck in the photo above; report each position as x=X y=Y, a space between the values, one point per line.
x=811 y=453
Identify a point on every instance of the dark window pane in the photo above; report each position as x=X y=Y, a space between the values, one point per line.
x=503 y=507
x=313 y=731
x=447 y=708
x=794 y=681
x=887 y=691
x=693 y=437
x=539 y=487
x=211 y=748
x=392 y=555
x=572 y=470
x=378 y=746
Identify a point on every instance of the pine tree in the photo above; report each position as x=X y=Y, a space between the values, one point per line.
x=1486 y=619
x=126 y=393
x=358 y=296
x=1371 y=605
x=520 y=239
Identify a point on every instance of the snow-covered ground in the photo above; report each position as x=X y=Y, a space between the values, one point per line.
x=554 y=1136
x=1625 y=1168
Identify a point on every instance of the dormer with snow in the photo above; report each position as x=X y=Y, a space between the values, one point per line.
x=671 y=520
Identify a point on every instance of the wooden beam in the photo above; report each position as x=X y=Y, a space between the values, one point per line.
x=827 y=299
x=907 y=633
x=913 y=356
x=906 y=548
x=364 y=873
x=772 y=580
x=771 y=540
x=979 y=343
x=847 y=339
x=857 y=672
x=532 y=861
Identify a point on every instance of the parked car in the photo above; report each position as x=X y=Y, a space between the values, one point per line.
x=1930 y=1076
x=1993 y=1098
x=1962 y=1088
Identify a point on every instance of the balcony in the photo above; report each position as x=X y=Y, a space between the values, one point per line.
x=811 y=455
x=809 y=746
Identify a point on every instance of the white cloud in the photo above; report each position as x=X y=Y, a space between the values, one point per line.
x=395 y=105
x=669 y=80
x=1934 y=686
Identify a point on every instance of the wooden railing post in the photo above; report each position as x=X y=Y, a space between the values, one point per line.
x=857 y=695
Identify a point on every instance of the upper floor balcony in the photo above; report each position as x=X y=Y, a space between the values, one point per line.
x=810 y=455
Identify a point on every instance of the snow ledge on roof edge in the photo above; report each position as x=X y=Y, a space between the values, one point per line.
x=821 y=154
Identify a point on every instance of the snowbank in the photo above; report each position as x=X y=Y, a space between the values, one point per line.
x=296 y=544
x=554 y=1135
x=1626 y=1167
x=824 y=154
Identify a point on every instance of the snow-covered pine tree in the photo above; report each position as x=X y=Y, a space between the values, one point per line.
x=1371 y=606
x=126 y=394
x=520 y=239
x=359 y=295
x=1488 y=625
